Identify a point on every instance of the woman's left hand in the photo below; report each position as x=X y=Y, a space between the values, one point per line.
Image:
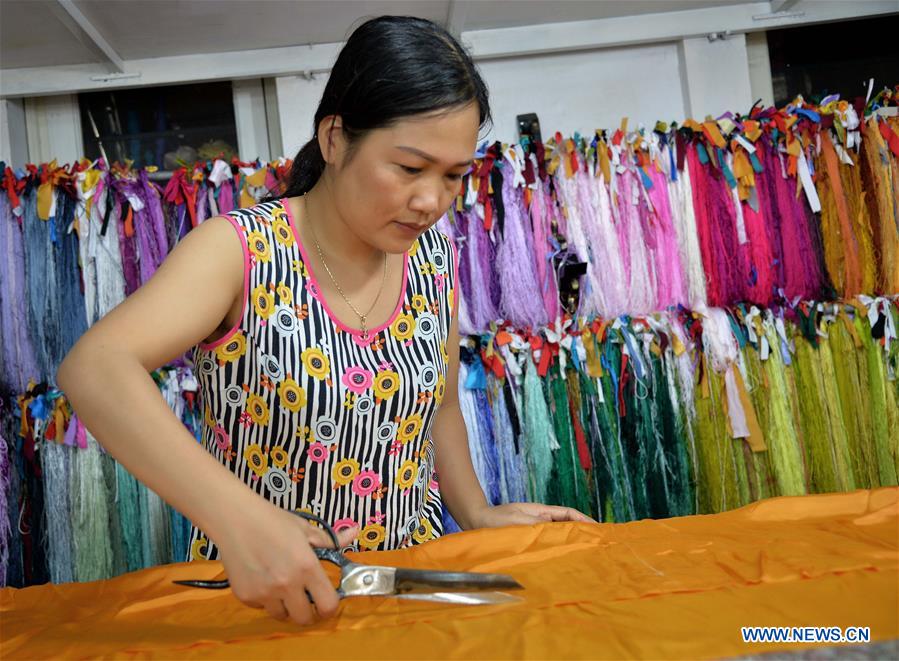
x=514 y=514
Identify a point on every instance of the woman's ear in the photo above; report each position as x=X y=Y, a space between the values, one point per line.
x=330 y=137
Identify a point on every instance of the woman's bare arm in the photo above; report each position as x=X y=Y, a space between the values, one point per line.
x=106 y=374
x=106 y=378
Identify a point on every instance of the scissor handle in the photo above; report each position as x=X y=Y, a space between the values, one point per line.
x=324 y=524
x=334 y=556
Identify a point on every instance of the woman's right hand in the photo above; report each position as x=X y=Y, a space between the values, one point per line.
x=270 y=564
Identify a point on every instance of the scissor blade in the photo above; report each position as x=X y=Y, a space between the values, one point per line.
x=462 y=598
x=418 y=580
x=211 y=585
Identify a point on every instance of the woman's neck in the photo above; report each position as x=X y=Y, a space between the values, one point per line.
x=330 y=230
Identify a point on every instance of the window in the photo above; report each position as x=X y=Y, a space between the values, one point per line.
x=161 y=125
x=817 y=60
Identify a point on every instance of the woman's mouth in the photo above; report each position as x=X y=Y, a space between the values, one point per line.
x=409 y=229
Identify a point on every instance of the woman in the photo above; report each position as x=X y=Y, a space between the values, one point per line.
x=326 y=344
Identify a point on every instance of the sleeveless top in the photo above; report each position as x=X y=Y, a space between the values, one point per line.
x=314 y=416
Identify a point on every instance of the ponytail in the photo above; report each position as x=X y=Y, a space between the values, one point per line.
x=308 y=166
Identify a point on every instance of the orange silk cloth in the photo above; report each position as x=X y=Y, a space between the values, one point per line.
x=674 y=588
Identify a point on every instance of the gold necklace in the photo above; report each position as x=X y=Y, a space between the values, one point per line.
x=362 y=317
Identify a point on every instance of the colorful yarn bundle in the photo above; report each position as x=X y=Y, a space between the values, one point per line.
x=690 y=412
x=73 y=513
x=716 y=213
x=75 y=241
x=650 y=323
x=17 y=354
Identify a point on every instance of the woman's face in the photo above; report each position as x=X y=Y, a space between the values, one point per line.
x=402 y=179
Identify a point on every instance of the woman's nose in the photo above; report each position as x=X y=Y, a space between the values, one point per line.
x=425 y=201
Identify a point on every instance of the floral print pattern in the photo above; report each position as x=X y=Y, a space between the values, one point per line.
x=320 y=418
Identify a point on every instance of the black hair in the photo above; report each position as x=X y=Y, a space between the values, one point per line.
x=391 y=67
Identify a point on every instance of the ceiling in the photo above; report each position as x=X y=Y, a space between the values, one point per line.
x=38 y=33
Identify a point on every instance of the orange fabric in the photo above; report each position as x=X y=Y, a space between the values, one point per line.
x=673 y=588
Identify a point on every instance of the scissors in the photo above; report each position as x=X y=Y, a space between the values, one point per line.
x=357 y=580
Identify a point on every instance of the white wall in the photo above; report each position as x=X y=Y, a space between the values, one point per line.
x=582 y=91
x=13 y=140
x=715 y=76
x=251 y=120
x=760 y=68
x=54 y=129
x=298 y=99
x=585 y=91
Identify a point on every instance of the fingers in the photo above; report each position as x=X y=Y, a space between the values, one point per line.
x=280 y=573
x=348 y=536
x=316 y=594
x=323 y=594
x=284 y=598
x=297 y=605
x=276 y=608
x=318 y=537
x=307 y=592
x=520 y=518
x=557 y=513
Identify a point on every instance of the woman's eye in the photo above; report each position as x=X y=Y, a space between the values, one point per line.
x=410 y=170
x=454 y=177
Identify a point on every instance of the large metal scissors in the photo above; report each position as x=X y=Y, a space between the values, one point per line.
x=358 y=580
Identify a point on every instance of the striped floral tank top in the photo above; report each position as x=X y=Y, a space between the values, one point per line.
x=314 y=416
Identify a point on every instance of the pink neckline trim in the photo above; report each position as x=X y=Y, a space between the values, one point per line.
x=321 y=297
